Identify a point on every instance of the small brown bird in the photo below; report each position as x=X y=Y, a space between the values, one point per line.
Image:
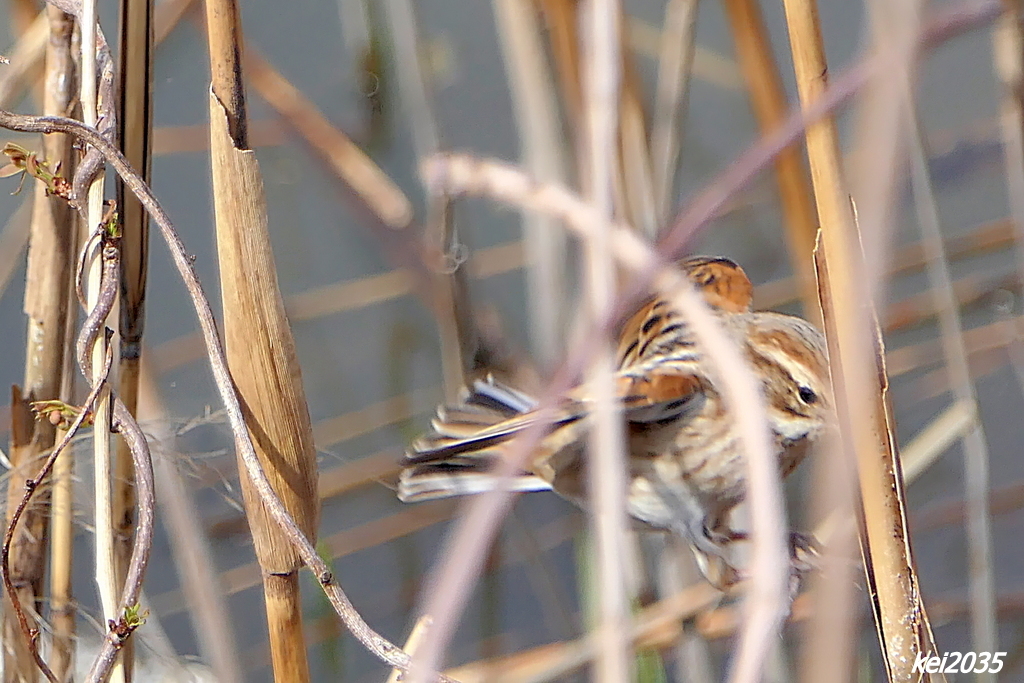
x=686 y=464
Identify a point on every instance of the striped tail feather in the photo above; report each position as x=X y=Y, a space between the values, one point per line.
x=456 y=458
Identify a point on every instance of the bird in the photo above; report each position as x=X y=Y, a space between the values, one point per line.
x=686 y=465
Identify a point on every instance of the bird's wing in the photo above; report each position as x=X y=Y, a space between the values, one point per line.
x=661 y=391
x=654 y=334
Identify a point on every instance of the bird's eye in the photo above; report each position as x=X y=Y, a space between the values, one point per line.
x=808 y=396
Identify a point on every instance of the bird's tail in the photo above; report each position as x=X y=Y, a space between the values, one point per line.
x=457 y=456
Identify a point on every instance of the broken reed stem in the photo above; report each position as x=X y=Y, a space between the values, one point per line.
x=858 y=371
x=260 y=347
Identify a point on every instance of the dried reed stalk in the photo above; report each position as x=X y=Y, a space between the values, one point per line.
x=105 y=567
x=260 y=347
x=860 y=386
x=411 y=643
x=60 y=77
x=770 y=105
x=134 y=135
